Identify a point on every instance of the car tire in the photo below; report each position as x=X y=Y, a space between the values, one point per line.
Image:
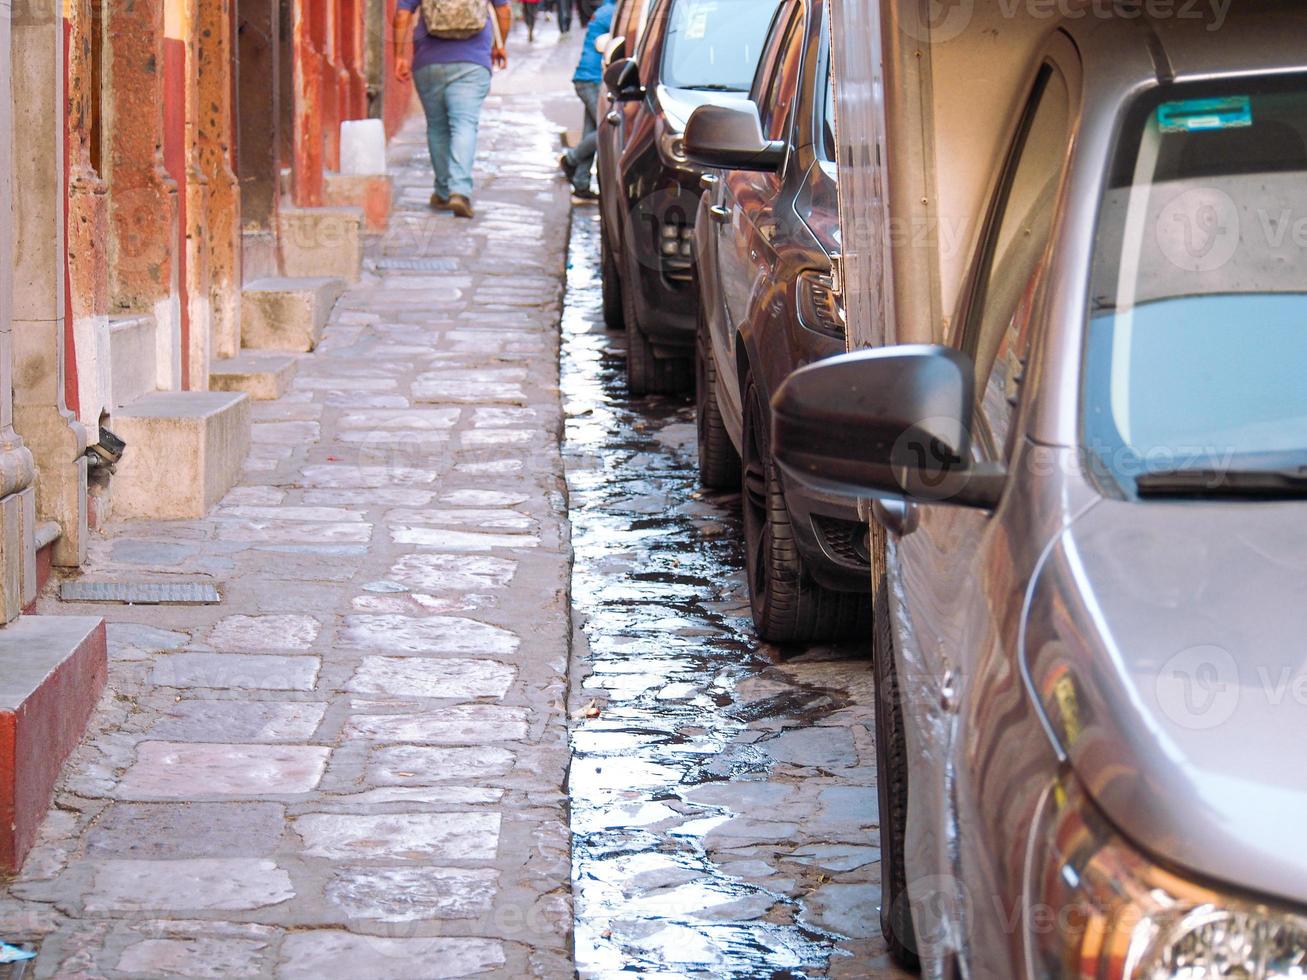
x=610 y=281
x=646 y=373
x=788 y=605
x=719 y=463
x=891 y=782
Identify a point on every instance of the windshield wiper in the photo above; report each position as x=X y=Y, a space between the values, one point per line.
x=710 y=87
x=1212 y=482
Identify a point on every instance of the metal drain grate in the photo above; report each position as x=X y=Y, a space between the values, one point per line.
x=417 y=265
x=142 y=593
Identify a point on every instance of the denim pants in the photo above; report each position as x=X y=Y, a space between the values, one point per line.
x=583 y=154
x=451 y=96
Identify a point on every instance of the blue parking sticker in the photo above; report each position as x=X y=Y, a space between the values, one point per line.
x=1204 y=115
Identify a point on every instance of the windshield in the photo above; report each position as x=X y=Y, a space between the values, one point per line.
x=1197 y=345
x=715 y=44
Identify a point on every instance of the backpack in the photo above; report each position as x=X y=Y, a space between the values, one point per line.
x=455 y=20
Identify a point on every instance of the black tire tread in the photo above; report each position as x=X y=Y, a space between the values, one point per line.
x=610 y=281
x=719 y=463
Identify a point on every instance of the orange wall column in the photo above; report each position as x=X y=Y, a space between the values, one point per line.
x=214 y=138
x=308 y=135
x=144 y=275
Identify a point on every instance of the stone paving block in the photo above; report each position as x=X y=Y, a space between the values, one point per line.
x=160 y=831
x=132 y=641
x=332 y=955
x=462 y=724
x=337 y=475
x=195 y=957
x=486 y=520
x=434 y=634
x=413 y=765
x=197 y=884
x=413 y=894
x=482 y=498
x=239 y=721
x=461 y=573
x=400 y=836
x=252 y=634
x=460 y=540
x=235 y=671
x=459 y=678
x=182 y=770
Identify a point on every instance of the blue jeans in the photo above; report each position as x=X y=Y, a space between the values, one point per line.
x=582 y=155
x=451 y=96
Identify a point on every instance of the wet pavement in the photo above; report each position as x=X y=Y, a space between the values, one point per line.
x=723 y=792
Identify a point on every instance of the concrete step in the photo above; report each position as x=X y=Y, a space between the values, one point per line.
x=287 y=314
x=264 y=377
x=185 y=450
x=52 y=670
x=132 y=357
x=321 y=242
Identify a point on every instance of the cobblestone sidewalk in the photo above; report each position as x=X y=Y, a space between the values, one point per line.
x=354 y=767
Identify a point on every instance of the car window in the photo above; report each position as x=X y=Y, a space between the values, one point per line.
x=997 y=328
x=1195 y=343
x=714 y=45
x=782 y=81
x=826 y=139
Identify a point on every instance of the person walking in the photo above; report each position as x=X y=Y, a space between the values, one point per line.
x=578 y=162
x=529 y=10
x=454 y=44
x=564 y=16
x=585 y=9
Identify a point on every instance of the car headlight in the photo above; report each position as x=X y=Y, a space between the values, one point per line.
x=1103 y=911
x=671 y=145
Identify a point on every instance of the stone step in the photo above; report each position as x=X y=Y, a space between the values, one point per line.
x=132 y=357
x=287 y=314
x=185 y=450
x=263 y=376
x=374 y=193
x=52 y=670
x=321 y=242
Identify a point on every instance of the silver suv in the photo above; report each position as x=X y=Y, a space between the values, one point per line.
x=1091 y=608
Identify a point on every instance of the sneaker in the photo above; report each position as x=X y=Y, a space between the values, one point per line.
x=461 y=206
x=567 y=167
x=439 y=203
x=585 y=196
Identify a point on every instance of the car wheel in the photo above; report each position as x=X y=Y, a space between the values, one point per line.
x=891 y=786
x=610 y=281
x=788 y=605
x=647 y=374
x=719 y=463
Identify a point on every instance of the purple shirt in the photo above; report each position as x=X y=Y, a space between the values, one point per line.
x=428 y=50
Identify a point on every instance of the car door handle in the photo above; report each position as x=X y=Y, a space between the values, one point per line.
x=720 y=214
x=613 y=118
x=898 y=516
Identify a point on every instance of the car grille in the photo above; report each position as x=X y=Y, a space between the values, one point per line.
x=676 y=252
x=846 y=540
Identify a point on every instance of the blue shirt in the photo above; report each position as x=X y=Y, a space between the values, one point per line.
x=428 y=50
x=591 y=67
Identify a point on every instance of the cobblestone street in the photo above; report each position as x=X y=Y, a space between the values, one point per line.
x=357 y=765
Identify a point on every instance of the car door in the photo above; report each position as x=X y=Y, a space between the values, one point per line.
x=746 y=215
x=938 y=560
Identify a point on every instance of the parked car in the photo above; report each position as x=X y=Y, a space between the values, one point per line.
x=1089 y=628
x=692 y=51
x=629 y=20
x=766 y=236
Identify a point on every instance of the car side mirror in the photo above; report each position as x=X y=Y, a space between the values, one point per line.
x=623 y=80
x=892 y=422
x=730 y=137
x=613 y=49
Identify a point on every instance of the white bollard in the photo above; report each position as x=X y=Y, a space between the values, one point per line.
x=362 y=147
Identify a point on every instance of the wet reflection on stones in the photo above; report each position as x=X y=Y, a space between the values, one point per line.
x=723 y=792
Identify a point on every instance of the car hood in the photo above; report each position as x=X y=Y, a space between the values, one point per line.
x=1168 y=645
x=678 y=103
